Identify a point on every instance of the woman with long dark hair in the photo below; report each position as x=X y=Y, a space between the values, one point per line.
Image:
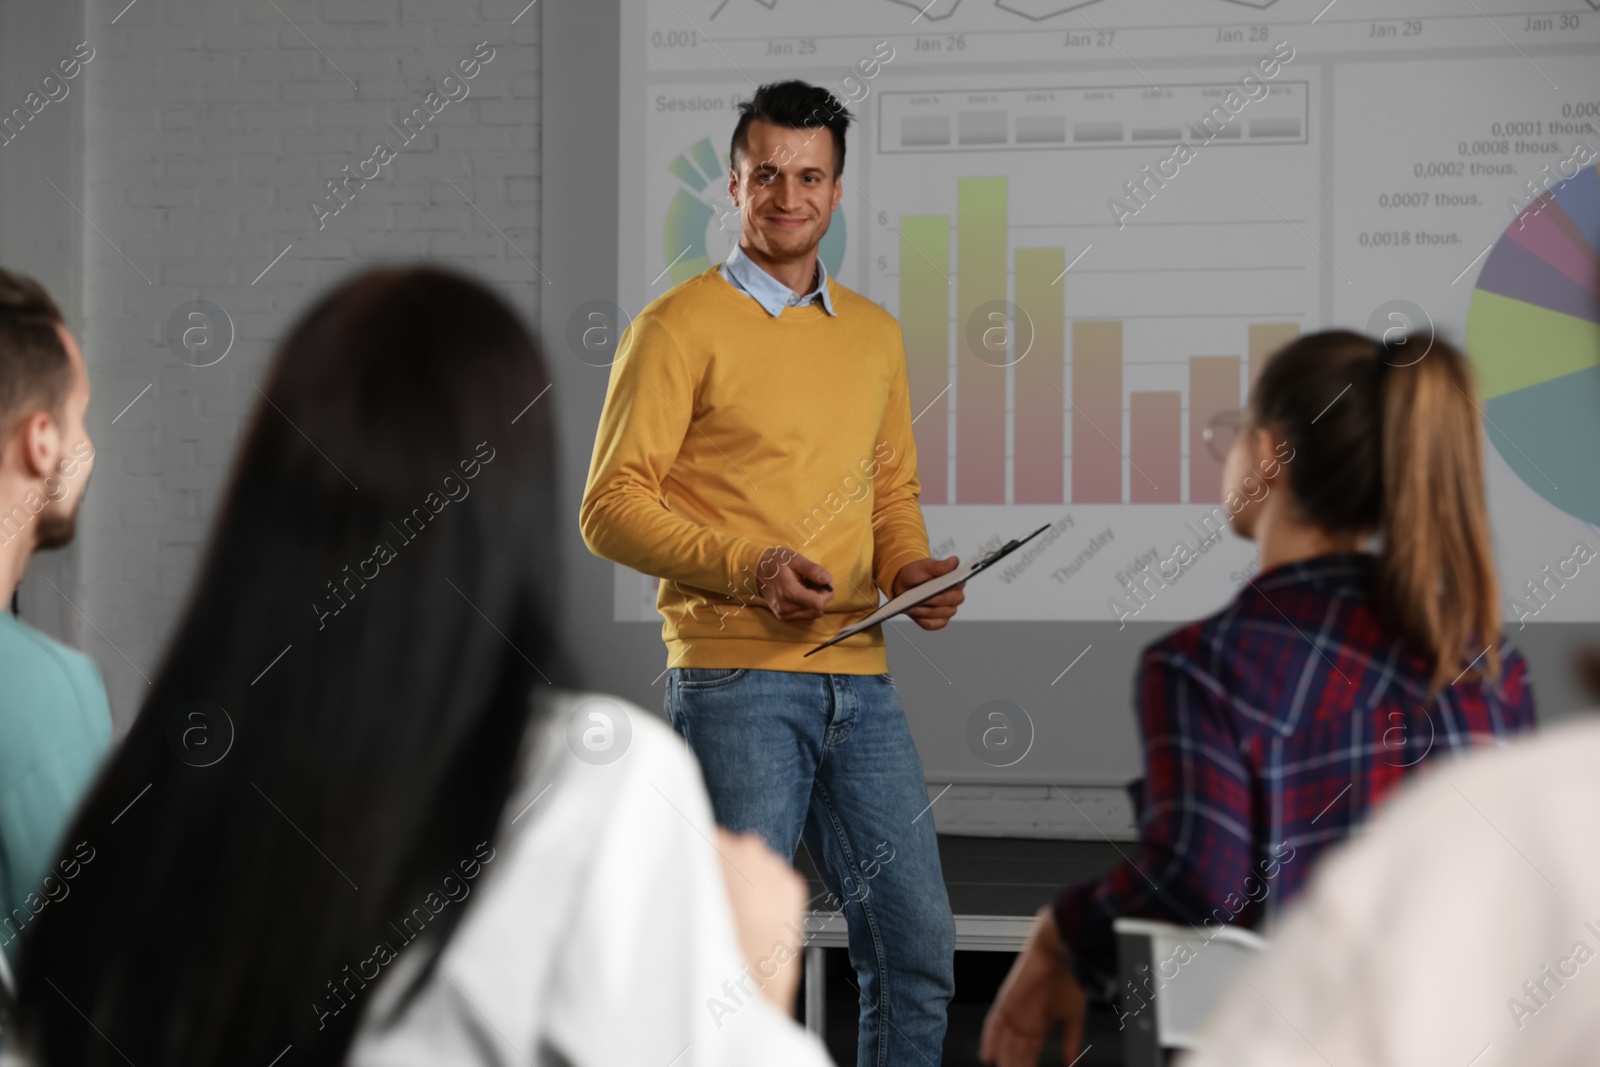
x=363 y=812
x=1271 y=729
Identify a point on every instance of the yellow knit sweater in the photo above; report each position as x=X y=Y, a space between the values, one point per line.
x=726 y=432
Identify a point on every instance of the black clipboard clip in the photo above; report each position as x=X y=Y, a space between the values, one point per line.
x=928 y=590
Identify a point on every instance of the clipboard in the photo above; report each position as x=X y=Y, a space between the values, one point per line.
x=928 y=590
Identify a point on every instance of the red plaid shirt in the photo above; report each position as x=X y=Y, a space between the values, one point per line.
x=1271 y=730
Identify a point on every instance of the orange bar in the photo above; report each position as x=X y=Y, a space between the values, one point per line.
x=1213 y=388
x=1155 y=420
x=1097 y=412
x=1265 y=339
x=1041 y=313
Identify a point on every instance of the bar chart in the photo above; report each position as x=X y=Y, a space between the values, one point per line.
x=1081 y=430
x=1076 y=312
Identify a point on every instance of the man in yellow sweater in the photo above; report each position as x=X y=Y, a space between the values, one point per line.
x=755 y=453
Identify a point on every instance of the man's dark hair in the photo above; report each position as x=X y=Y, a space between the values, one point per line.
x=34 y=366
x=797 y=105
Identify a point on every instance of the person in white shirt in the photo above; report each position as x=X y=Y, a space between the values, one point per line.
x=365 y=815
x=631 y=955
x=1463 y=927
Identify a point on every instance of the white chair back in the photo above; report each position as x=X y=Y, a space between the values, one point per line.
x=1172 y=977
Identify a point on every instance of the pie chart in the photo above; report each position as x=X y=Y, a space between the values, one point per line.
x=1533 y=336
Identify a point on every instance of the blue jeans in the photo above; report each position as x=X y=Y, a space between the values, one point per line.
x=829 y=756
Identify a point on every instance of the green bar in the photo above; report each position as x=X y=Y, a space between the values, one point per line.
x=925 y=326
x=980 y=376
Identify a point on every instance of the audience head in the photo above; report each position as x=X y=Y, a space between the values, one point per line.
x=1375 y=441
x=333 y=733
x=45 y=451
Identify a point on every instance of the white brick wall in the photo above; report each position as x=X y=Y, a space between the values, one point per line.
x=211 y=124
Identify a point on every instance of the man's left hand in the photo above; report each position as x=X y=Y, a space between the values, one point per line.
x=934 y=613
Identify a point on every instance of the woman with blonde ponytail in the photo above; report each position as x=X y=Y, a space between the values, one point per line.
x=1459 y=927
x=1368 y=644
x=1436 y=584
x=1418 y=486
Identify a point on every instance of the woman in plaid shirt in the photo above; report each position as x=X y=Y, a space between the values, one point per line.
x=1273 y=728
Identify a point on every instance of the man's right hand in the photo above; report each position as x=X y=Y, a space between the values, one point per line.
x=794 y=588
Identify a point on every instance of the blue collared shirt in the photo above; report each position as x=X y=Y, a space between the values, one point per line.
x=748 y=277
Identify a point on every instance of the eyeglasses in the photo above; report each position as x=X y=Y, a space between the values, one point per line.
x=1222 y=429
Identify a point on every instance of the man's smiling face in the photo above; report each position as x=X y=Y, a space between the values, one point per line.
x=786 y=189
